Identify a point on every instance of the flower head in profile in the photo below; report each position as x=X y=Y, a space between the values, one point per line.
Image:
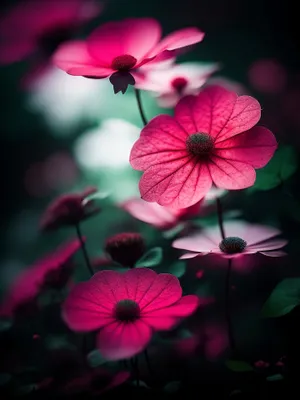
x=241 y=239
x=126 y=309
x=170 y=84
x=167 y=217
x=117 y=49
x=51 y=271
x=37 y=28
x=125 y=248
x=69 y=209
x=210 y=140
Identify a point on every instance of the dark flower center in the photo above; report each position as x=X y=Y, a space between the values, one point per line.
x=179 y=84
x=232 y=245
x=127 y=310
x=123 y=63
x=200 y=144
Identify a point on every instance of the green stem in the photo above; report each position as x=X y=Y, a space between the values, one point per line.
x=140 y=106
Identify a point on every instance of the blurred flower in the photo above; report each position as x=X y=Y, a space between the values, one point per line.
x=38 y=27
x=96 y=382
x=108 y=145
x=156 y=215
x=31 y=281
x=69 y=209
x=127 y=308
x=170 y=84
x=209 y=140
x=168 y=217
x=261 y=364
x=118 y=48
x=268 y=76
x=125 y=248
x=241 y=238
x=65 y=101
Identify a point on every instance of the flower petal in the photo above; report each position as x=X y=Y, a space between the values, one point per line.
x=109 y=286
x=162 y=139
x=123 y=340
x=178 y=39
x=167 y=318
x=251 y=233
x=163 y=291
x=135 y=37
x=231 y=175
x=178 y=184
x=272 y=244
x=138 y=281
x=151 y=213
x=274 y=253
x=85 y=309
x=254 y=147
x=196 y=243
x=188 y=256
x=217 y=111
x=74 y=58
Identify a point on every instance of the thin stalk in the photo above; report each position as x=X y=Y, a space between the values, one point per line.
x=140 y=106
x=84 y=251
x=220 y=217
x=227 y=307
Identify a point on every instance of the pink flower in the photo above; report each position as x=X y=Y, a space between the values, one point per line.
x=40 y=26
x=69 y=209
x=95 y=382
x=125 y=248
x=176 y=81
x=47 y=271
x=156 y=215
x=261 y=364
x=241 y=238
x=209 y=140
x=120 y=47
x=126 y=308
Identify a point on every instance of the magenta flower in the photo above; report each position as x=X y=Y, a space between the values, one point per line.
x=241 y=239
x=125 y=248
x=38 y=27
x=95 y=382
x=121 y=47
x=46 y=272
x=209 y=140
x=176 y=81
x=69 y=209
x=126 y=308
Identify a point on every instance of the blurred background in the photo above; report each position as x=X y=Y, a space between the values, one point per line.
x=61 y=133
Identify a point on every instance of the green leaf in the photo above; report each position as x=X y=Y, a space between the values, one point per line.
x=238 y=366
x=172 y=387
x=95 y=359
x=273 y=378
x=284 y=298
x=281 y=167
x=5 y=324
x=152 y=258
x=178 y=269
x=171 y=233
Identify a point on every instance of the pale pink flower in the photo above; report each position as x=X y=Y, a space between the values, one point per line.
x=241 y=238
x=176 y=81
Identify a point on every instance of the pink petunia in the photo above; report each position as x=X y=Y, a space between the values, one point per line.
x=46 y=272
x=176 y=81
x=210 y=140
x=69 y=209
x=126 y=309
x=241 y=239
x=117 y=49
x=38 y=27
x=167 y=217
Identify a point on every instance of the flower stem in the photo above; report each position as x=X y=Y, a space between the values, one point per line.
x=148 y=362
x=139 y=103
x=84 y=251
x=220 y=217
x=135 y=367
x=227 y=306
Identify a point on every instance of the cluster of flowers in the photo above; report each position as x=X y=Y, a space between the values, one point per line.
x=211 y=143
